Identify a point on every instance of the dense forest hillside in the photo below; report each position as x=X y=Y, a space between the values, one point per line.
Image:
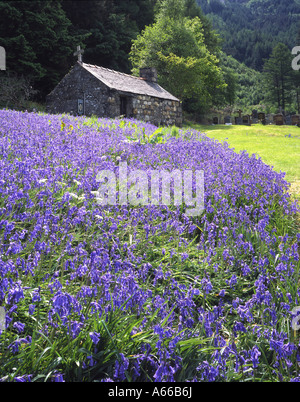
x=219 y=54
x=250 y=29
x=40 y=36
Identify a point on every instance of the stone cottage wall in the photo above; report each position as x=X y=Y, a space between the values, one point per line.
x=101 y=101
x=79 y=84
x=157 y=111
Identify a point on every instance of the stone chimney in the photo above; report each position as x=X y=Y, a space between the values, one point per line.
x=149 y=74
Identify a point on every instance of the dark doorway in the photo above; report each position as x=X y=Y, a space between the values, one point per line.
x=123 y=106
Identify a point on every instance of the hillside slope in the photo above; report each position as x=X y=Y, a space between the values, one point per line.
x=251 y=28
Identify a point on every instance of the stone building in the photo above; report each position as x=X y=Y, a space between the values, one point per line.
x=92 y=90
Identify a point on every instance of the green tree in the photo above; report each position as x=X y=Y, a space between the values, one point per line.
x=278 y=76
x=296 y=89
x=191 y=9
x=227 y=95
x=174 y=44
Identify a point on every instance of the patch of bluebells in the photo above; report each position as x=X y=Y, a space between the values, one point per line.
x=50 y=262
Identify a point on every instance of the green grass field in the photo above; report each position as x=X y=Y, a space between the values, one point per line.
x=278 y=146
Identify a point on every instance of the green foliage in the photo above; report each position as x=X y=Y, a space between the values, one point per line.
x=176 y=47
x=171 y=9
x=159 y=136
x=246 y=81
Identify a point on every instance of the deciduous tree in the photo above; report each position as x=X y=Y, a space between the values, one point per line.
x=175 y=45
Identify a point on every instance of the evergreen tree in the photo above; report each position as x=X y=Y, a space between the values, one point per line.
x=297 y=90
x=278 y=76
x=38 y=41
x=110 y=25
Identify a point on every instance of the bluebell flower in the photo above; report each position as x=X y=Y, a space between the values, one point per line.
x=19 y=326
x=254 y=355
x=57 y=378
x=206 y=285
x=121 y=365
x=222 y=293
x=208 y=372
x=23 y=378
x=239 y=327
x=95 y=337
x=94 y=277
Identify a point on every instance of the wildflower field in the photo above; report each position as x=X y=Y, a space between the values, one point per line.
x=141 y=293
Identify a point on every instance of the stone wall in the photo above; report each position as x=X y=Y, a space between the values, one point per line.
x=157 y=111
x=79 y=84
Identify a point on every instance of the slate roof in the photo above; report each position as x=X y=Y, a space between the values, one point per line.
x=128 y=83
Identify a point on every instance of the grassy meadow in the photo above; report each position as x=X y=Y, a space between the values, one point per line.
x=278 y=146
